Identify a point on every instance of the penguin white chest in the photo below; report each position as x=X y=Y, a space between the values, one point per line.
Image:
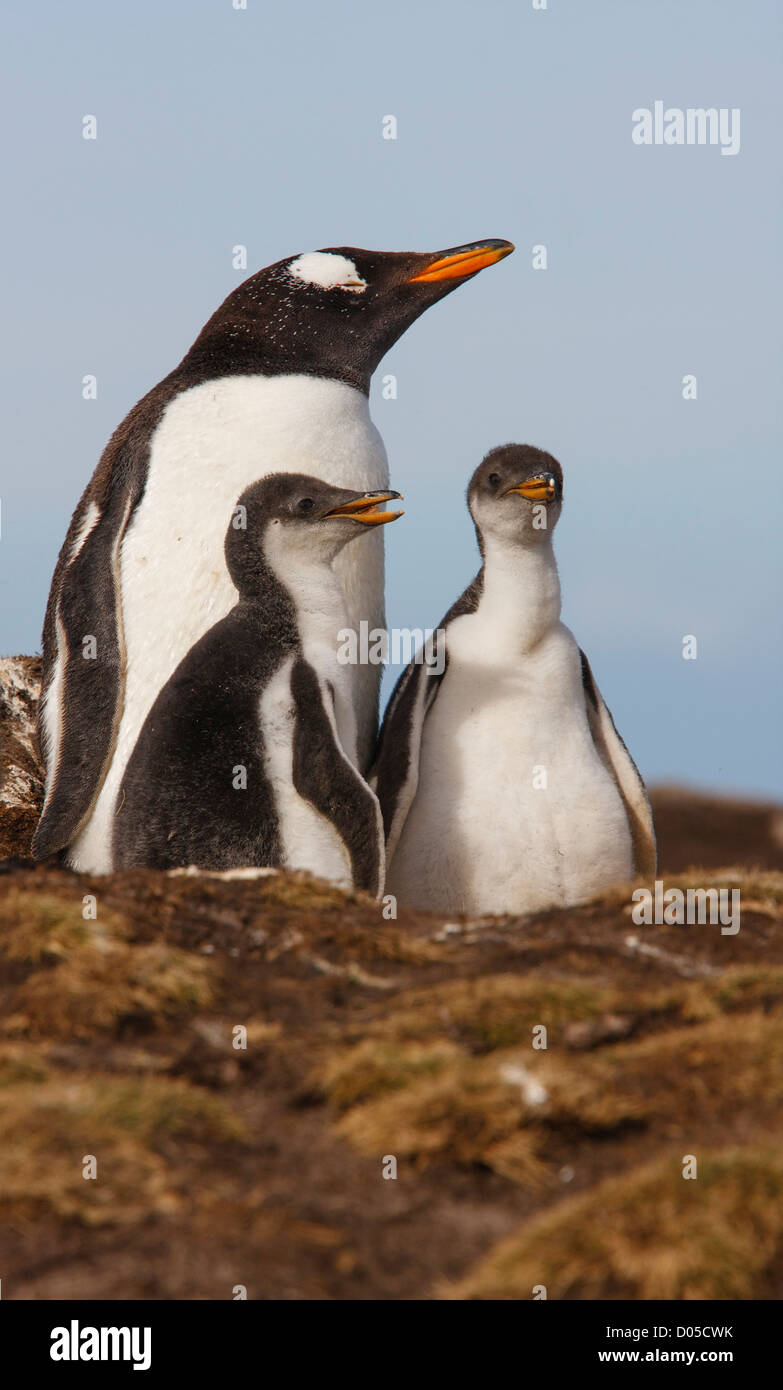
x=210 y=444
x=308 y=840
x=514 y=811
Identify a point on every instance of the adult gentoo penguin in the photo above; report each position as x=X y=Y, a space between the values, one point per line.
x=504 y=784
x=248 y=755
x=278 y=378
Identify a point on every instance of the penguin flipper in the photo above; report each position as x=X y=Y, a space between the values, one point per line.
x=395 y=772
x=325 y=777
x=83 y=676
x=615 y=755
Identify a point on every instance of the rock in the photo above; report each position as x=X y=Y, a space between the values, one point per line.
x=21 y=783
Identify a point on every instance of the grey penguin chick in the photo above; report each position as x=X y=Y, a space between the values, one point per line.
x=249 y=753
x=504 y=784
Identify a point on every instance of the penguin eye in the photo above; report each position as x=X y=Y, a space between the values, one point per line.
x=493 y=479
x=306 y=504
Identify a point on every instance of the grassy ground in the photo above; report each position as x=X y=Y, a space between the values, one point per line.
x=369 y=1041
x=366 y=1040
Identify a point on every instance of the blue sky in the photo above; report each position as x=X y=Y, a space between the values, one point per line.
x=263 y=127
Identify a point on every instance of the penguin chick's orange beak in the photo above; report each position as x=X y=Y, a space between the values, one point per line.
x=365 y=509
x=465 y=260
x=536 y=489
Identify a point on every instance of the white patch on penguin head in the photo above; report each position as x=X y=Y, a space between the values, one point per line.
x=328 y=271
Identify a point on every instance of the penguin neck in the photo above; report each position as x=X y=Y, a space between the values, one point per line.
x=321 y=612
x=521 y=590
x=318 y=599
x=221 y=349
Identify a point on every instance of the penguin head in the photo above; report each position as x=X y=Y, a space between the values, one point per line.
x=293 y=518
x=331 y=313
x=516 y=495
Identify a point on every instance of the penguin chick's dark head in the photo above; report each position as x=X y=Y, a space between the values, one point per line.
x=516 y=495
x=331 y=313
x=294 y=519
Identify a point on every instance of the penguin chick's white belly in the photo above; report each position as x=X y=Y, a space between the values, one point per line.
x=308 y=840
x=213 y=441
x=482 y=837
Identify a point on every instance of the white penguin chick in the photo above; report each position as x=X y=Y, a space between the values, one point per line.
x=504 y=785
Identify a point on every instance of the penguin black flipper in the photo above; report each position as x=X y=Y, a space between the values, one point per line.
x=324 y=776
x=617 y=759
x=83 y=667
x=395 y=773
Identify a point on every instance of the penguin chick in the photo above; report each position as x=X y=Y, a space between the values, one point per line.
x=504 y=785
x=249 y=753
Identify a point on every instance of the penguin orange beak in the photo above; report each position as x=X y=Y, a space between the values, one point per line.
x=365 y=509
x=536 y=489
x=462 y=261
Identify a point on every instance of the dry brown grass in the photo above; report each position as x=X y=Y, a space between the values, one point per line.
x=50 y=1123
x=77 y=981
x=650 y=1234
x=87 y=975
x=372 y=1068
x=497 y=1011
x=116 y=1040
x=474 y=1109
